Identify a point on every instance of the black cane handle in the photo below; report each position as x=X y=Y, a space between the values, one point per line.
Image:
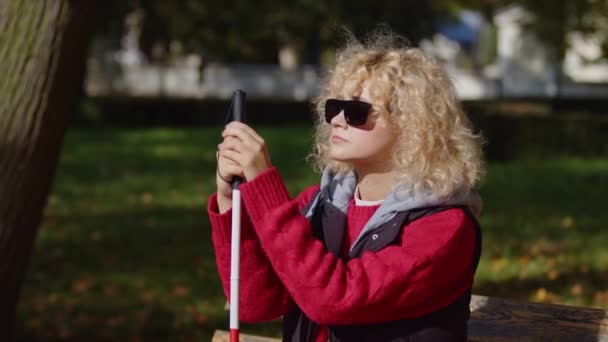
x=238 y=114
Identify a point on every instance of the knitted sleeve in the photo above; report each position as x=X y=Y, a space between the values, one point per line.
x=262 y=294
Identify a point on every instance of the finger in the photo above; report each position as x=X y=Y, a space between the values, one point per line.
x=223 y=161
x=227 y=139
x=233 y=156
x=231 y=143
x=237 y=133
x=228 y=172
x=247 y=150
x=230 y=138
x=247 y=129
x=267 y=157
x=247 y=144
x=242 y=134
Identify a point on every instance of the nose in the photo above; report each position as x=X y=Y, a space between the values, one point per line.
x=339 y=120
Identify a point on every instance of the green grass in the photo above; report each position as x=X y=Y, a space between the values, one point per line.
x=124 y=249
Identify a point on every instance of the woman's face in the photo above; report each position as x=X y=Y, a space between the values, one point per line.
x=368 y=145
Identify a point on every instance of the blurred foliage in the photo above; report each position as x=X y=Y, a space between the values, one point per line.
x=555 y=19
x=239 y=30
x=253 y=32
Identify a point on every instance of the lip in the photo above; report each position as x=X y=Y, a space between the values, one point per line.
x=337 y=139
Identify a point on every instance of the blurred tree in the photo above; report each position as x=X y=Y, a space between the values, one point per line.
x=42 y=49
x=555 y=19
x=254 y=32
x=413 y=19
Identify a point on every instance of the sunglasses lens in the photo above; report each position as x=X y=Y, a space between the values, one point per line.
x=333 y=107
x=356 y=112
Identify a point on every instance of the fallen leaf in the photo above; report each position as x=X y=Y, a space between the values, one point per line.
x=147 y=296
x=577 y=290
x=542 y=295
x=52 y=298
x=200 y=319
x=498 y=264
x=567 y=222
x=82 y=285
x=146 y=198
x=149 y=222
x=600 y=298
x=524 y=260
x=181 y=290
x=110 y=290
x=552 y=275
x=34 y=323
x=95 y=236
x=116 y=320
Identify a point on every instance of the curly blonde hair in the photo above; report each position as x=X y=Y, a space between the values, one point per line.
x=437 y=151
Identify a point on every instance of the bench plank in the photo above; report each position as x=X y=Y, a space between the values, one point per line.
x=496 y=319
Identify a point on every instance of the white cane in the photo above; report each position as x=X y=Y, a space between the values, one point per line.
x=238 y=113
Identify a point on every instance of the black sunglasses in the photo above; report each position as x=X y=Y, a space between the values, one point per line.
x=355 y=112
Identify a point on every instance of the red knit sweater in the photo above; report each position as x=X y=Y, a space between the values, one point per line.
x=282 y=263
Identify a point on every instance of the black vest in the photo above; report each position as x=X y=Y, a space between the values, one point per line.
x=447 y=324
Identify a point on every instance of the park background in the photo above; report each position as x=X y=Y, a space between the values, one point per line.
x=123 y=249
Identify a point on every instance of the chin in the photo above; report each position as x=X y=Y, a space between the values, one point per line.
x=344 y=158
x=348 y=154
x=340 y=156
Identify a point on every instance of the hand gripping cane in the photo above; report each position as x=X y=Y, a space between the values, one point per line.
x=238 y=114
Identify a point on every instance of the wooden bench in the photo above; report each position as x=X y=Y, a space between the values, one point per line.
x=496 y=319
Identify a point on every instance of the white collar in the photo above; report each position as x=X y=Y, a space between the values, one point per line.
x=360 y=202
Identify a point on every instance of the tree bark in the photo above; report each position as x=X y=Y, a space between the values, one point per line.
x=42 y=54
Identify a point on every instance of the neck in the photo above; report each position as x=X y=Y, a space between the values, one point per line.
x=374 y=185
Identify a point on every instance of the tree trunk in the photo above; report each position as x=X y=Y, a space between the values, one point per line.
x=42 y=54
